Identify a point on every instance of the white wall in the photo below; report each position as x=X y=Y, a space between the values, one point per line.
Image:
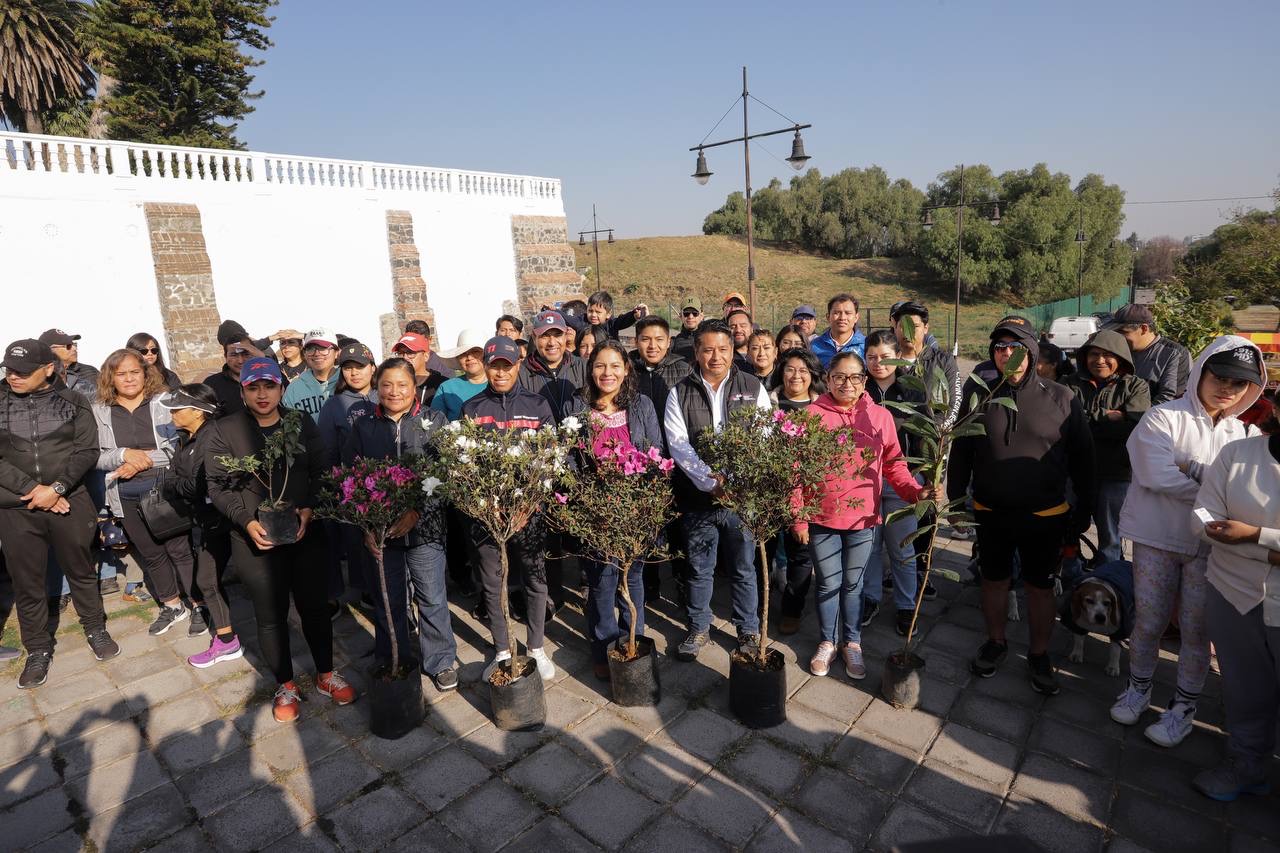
x=307 y=250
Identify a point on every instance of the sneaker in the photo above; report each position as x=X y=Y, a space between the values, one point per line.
x=101 y=643
x=691 y=645
x=1130 y=704
x=1229 y=780
x=167 y=618
x=869 y=610
x=333 y=685
x=218 y=651
x=820 y=663
x=136 y=595
x=64 y=602
x=109 y=586
x=1043 y=679
x=930 y=592
x=853 y=665
x=902 y=622
x=749 y=644
x=1173 y=726
x=445 y=680
x=989 y=658
x=499 y=658
x=545 y=667
x=285 y=705
x=962 y=533
x=199 y=621
x=36 y=670
x=789 y=625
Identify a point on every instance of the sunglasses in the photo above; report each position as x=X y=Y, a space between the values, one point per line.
x=689 y=312
x=1008 y=346
x=150 y=350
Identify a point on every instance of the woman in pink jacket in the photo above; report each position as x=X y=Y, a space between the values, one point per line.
x=839 y=536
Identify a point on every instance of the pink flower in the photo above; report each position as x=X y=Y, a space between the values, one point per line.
x=842 y=439
x=666 y=465
x=793 y=429
x=779 y=415
x=561 y=499
x=400 y=475
x=363 y=509
x=377 y=495
x=370 y=482
x=348 y=488
x=654 y=454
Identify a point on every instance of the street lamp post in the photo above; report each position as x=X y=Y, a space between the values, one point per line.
x=702 y=174
x=927 y=224
x=1080 y=270
x=595 y=233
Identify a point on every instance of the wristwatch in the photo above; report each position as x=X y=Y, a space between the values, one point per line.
x=59 y=488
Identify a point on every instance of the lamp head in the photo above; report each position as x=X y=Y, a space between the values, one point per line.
x=798 y=158
x=701 y=173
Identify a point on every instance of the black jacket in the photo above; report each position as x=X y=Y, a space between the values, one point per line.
x=379 y=437
x=1122 y=392
x=186 y=476
x=237 y=496
x=558 y=385
x=655 y=382
x=519 y=408
x=941 y=376
x=682 y=345
x=899 y=393
x=46 y=436
x=227 y=387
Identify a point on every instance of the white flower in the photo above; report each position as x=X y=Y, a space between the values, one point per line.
x=454 y=426
x=464 y=458
x=546 y=484
x=430 y=485
x=515 y=451
x=571 y=424
x=766 y=431
x=480 y=502
x=531 y=433
x=518 y=493
x=558 y=467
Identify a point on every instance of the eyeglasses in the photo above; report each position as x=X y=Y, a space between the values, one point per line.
x=689 y=312
x=1008 y=346
x=847 y=378
x=150 y=350
x=795 y=371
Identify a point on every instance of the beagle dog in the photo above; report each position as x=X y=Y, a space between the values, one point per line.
x=1101 y=602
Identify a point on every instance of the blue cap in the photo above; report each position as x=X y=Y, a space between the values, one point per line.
x=501 y=349
x=803 y=311
x=261 y=367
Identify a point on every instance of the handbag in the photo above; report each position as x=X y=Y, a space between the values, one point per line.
x=163 y=519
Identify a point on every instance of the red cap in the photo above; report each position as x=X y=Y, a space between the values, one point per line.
x=412 y=342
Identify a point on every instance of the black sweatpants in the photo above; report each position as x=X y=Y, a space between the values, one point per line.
x=169 y=566
x=525 y=554
x=27 y=536
x=211 y=539
x=271 y=577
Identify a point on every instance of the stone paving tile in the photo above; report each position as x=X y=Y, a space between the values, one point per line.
x=36 y=819
x=443 y=776
x=1051 y=830
x=141 y=821
x=872 y=759
x=832 y=698
x=809 y=730
x=994 y=716
x=399 y=753
x=27 y=778
x=189 y=840
x=265 y=816
x=79 y=720
x=774 y=769
x=791 y=830
x=289 y=747
x=913 y=729
x=965 y=799
x=843 y=804
x=608 y=812
x=62 y=693
x=307 y=839
x=323 y=784
x=1166 y=776
x=937 y=696
x=662 y=769
x=188 y=751
x=179 y=716
x=455 y=717
x=108 y=786
x=980 y=755
x=490 y=816
x=552 y=773
x=726 y=808
x=429 y=837
x=605 y=737
x=1164 y=826
x=550 y=834
x=1067 y=789
x=1074 y=745
x=224 y=781
x=380 y=814
x=565 y=709
x=907 y=823
x=22 y=741
x=672 y=833
x=705 y=733
x=496 y=748
x=1258 y=815
x=16 y=710
x=1088 y=712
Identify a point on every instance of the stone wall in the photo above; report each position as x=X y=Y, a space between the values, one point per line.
x=546 y=270
x=408 y=289
x=184 y=281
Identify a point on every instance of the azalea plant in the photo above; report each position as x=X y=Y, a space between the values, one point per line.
x=278 y=452
x=501 y=478
x=774 y=465
x=618 y=503
x=373 y=494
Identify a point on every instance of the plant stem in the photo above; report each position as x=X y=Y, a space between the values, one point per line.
x=624 y=572
x=764 y=593
x=380 y=537
x=928 y=558
x=506 y=611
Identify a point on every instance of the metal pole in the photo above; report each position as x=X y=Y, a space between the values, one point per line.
x=1080 y=274
x=595 y=244
x=955 y=346
x=746 y=161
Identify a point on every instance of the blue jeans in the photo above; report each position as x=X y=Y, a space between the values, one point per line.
x=839 y=563
x=705 y=529
x=902 y=559
x=423 y=567
x=607 y=616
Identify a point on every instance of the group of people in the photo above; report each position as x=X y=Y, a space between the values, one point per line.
x=1132 y=441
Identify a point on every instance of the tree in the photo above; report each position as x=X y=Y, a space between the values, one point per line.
x=1157 y=260
x=1194 y=323
x=41 y=60
x=176 y=71
x=1241 y=259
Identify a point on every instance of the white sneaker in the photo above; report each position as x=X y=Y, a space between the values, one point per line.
x=1173 y=726
x=1129 y=705
x=545 y=667
x=493 y=665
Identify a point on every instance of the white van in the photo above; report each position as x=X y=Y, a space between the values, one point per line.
x=1070 y=333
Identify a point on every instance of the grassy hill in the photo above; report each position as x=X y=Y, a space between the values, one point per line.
x=660 y=270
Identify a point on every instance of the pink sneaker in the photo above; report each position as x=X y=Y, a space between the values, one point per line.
x=853 y=665
x=218 y=650
x=820 y=664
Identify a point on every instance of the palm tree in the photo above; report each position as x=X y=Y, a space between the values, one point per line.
x=40 y=58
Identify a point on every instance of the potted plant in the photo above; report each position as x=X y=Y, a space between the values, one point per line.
x=774 y=464
x=373 y=495
x=278 y=517
x=500 y=478
x=900 y=683
x=618 y=503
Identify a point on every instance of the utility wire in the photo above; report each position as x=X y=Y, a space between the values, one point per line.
x=1198 y=200
x=722 y=118
x=763 y=104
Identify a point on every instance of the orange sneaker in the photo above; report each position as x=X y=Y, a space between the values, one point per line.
x=333 y=685
x=285 y=707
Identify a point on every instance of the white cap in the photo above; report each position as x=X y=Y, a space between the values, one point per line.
x=320 y=336
x=468 y=339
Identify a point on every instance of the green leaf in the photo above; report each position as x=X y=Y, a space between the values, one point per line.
x=922 y=426
x=946 y=573
x=970 y=429
x=979 y=381
x=912 y=382
x=1015 y=361
x=898 y=514
x=916 y=534
x=921 y=507
x=1008 y=402
x=899 y=406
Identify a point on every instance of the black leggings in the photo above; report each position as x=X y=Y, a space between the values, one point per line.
x=165 y=564
x=211 y=539
x=271 y=577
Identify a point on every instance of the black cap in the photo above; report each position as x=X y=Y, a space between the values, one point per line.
x=1134 y=315
x=908 y=307
x=57 y=337
x=182 y=400
x=1016 y=325
x=231 y=332
x=501 y=349
x=27 y=356
x=1238 y=363
x=357 y=352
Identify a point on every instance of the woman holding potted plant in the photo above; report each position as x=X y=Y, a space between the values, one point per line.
x=264 y=464
x=414 y=550
x=839 y=535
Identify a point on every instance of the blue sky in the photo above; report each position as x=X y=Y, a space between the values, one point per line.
x=1171 y=100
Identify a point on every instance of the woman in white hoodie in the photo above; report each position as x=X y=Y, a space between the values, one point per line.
x=1169 y=451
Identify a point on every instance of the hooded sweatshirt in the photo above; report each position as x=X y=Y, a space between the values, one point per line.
x=338 y=414
x=1179 y=433
x=851 y=498
x=1024 y=459
x=1121 y=392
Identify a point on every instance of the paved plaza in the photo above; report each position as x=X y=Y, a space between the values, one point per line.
x=146 y=752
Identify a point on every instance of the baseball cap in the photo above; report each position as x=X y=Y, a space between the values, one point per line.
x=182 y=400
x=27 y=355
x=261 y=367
x=908 y=306
x=57 y=337
x=804 y=311
x=692 y=302
x=321 y=336
x=1238 y=363
x=1133 y=315
x=411 y=342
x=357 y=352
x=501 y=349
x=733 y=294
x=229 y=332
x=548 y=320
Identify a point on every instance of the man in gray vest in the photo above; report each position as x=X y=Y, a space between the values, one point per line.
x=697 y=403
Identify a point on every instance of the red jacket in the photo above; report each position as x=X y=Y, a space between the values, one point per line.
x=873 y=428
